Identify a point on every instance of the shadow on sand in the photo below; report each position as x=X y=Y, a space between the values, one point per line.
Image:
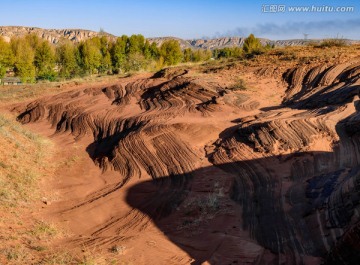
x=288 y=209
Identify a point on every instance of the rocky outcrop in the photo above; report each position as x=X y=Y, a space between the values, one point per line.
x=77 y=35
x=51 y=35
x=159 y=40
x=279 y=186
x=222 y=42
x=298 y=201
x=117 y=130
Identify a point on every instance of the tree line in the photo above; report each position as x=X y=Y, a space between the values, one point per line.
x=32 y=58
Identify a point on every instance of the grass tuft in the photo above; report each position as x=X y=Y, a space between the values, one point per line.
x=239 y=85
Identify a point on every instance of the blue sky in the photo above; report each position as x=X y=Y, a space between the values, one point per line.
x=186 y=19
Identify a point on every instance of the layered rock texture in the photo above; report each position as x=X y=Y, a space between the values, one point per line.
x=51 y=35
x=229 y=177
x=279 y=179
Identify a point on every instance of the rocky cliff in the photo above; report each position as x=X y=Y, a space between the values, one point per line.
x=77 y=35
x=52 y=35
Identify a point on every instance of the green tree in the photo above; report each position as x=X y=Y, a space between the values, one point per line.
x=23 y=60
x=227 y=52
x=135 y=44
x=154 y=50
x=33 y=40
x=237 y=52
x=224 y=53
x=201 y=55
x=118 y=53
x=150 y=51
x=252 y=45
x=171 y=52
x=134 y=62
x=89 y=56
x=45 y=61
x=187 y=55
x=6 y=57
x=66 y=60
x=147 y=50
x=105 y=64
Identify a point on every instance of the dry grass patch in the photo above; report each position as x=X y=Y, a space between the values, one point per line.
x=239 y=85
x=20 y=93
x=24 y=160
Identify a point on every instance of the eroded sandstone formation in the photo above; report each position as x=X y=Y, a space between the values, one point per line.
x=227 y=178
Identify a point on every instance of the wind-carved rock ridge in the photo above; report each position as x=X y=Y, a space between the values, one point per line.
x=129 y=141
x=319 y=198
x=285 y=180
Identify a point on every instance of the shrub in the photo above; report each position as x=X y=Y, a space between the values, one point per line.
x=234 y=52
x=252 y=45
x=327 y=43
x=239 y=85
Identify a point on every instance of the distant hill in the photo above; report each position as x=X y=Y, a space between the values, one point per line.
x=239 y=41
x=52 y=35
x=77 y=35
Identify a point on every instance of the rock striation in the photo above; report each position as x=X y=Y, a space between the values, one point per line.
x=277 y=185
